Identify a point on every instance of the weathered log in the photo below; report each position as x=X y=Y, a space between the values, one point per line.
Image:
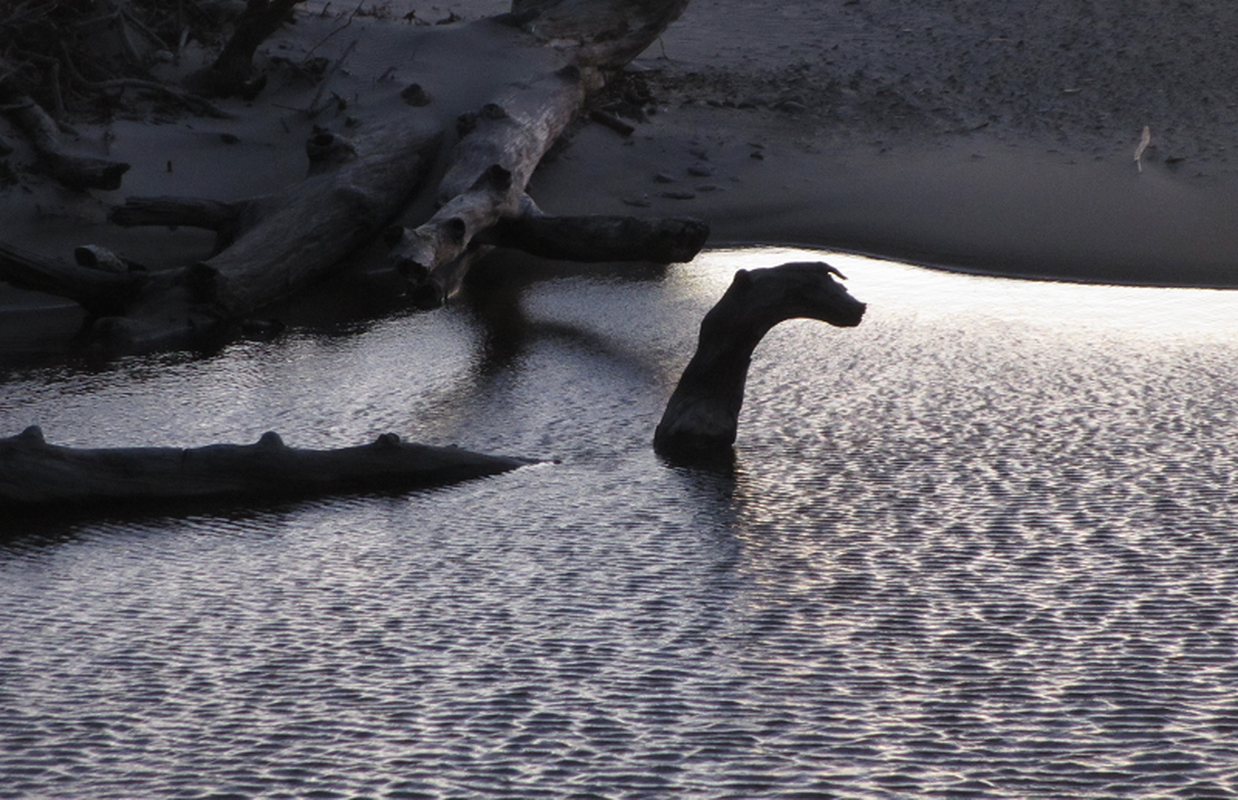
x=193 y=212
x=602 y=238
x=34 y=473
x=74 y=171
x=227 y=220
x=331 y=215
x=701 y=418
x=502 y=144
x=99 y=291
x=312 y=228
x=491 y=166
x=268 y=255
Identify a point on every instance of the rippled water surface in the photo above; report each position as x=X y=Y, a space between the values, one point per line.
x=981 y=546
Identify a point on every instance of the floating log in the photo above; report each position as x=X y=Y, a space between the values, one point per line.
x=701 y=419
x=34 y=473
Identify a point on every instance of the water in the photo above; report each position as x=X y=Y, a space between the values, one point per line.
x=981 y=546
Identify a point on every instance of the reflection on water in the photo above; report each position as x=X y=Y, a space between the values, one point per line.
x=982 y=545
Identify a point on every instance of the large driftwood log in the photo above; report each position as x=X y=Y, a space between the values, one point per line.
x=310 y=230
x=491 y=165
x=99 y=291
x=73 y=171
x=702 y=416
x=502 y=145
x=34 y=473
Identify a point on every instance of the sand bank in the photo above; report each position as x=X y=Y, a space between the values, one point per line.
x=993 y=137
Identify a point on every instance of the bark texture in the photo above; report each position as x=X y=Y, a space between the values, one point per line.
x=503 y=143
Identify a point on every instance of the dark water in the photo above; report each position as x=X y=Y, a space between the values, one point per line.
x=981 y=546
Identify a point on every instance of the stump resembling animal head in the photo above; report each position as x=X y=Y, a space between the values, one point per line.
x=800 y=289
x=702 y=416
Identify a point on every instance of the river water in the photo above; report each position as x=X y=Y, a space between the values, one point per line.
x=982 y=545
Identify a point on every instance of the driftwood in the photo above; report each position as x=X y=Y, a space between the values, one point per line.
x=502 y=144
x=702 y=416
x=226 y=219
x=34 y=473
x=99 y=291
x=268 y=249
x=230 y=74
x=281 y=245
x=73 y=171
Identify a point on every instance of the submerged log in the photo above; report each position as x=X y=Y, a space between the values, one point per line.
x=34 y=473
x=701 y=418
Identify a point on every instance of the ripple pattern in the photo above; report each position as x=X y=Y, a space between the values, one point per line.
x=961 y=555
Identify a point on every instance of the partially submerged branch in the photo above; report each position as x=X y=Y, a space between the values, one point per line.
x=34 y=473
x=701 y=419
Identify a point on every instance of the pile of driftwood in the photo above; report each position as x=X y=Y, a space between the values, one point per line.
x=273 y=248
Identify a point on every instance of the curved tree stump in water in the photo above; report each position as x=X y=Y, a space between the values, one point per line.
x=34 y=473
x=701 y=418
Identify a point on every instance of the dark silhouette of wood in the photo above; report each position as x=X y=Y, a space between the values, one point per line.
x=701 y=419
x=602 y=238
x=34 y=473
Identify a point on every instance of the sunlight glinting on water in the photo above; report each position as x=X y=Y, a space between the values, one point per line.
x=1166 y=313
x=964 y=551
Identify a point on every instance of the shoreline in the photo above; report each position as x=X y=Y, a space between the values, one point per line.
x=859 y=128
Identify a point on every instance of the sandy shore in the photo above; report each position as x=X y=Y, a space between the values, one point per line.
x=993 y=137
